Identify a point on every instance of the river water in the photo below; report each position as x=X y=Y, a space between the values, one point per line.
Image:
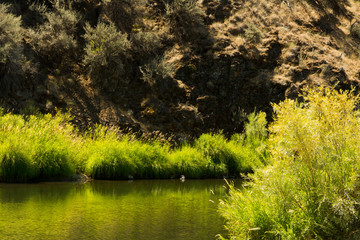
x=138 y=210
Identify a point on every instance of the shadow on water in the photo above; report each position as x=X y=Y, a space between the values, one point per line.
x=143 y=209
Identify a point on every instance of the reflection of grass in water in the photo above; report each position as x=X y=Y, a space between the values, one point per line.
x=157 y=187
x=151 y=211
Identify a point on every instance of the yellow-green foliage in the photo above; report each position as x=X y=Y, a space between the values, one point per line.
x=39 y=146
x=191 y=162
x=36 y=147
x=243 y=152
x=311 y=191
x=109 y=157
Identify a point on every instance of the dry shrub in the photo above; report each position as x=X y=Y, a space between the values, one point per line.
x=253 y=34
x=55 y=40
x=185 y=18
x=11 y=50
x=157 y=70
x=106 y=54
x=146 y=43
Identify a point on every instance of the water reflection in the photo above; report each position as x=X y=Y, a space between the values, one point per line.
x=157 y=209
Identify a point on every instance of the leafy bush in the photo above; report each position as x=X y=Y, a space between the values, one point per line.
x=312 y=189
x=185 y=18
x=106 y=54
x=11 y=50
x=55 y=40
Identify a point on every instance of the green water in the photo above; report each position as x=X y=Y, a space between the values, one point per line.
x=139 y=210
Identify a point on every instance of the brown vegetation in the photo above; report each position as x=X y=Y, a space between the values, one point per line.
x=173 y=68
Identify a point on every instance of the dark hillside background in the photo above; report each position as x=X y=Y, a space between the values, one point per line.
x=172 y=68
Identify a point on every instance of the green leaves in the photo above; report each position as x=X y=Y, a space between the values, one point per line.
x=310 y=191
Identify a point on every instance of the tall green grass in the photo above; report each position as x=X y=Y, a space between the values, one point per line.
x=108 y=156
x=36 y=147
x=243 y=152
x=311 y=190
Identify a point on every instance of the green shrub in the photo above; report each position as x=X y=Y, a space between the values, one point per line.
x=311 y=191
x=106 y=55
x=11 y=50
x=55 y=40
x=213 y=146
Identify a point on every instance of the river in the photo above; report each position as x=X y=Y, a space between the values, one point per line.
x=137 y=210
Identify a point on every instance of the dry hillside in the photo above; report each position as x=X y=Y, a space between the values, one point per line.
x=173 y=68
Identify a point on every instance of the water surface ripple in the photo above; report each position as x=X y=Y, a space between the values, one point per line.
x=138 y=210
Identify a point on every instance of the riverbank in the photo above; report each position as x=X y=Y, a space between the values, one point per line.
x=310 y=189
x=44 y=147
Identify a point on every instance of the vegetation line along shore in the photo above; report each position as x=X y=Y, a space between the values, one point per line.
x=311 y=188
x=41 y=147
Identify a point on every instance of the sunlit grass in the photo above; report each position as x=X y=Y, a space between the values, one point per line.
x=41 y=147
x=36 y=147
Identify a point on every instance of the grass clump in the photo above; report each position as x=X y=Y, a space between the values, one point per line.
x=109 y=160
x=43 y=147
x=36 y=147
x=191 y=162
x=108 y=156
x=311 y=190
x=15 y=164
x=111 y=157
x=243 y=152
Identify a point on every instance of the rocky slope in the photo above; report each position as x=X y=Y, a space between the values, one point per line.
x=212 y=64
